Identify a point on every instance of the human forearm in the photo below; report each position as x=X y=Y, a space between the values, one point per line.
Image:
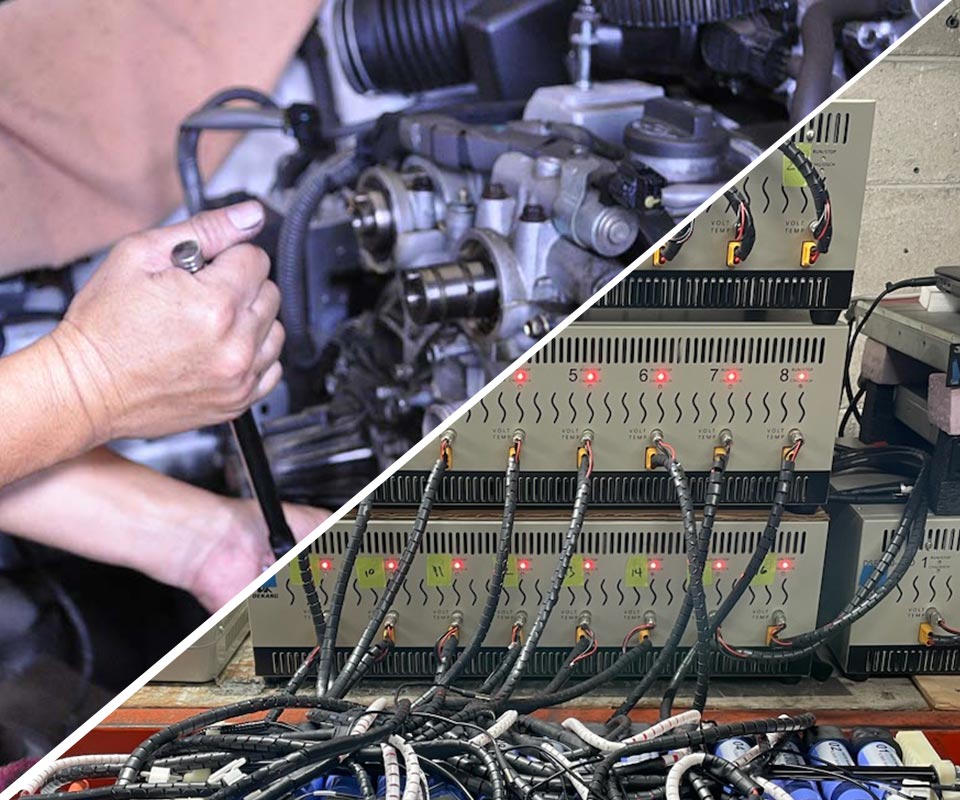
x=86 y=137
x=45 y=420
x=106 y=508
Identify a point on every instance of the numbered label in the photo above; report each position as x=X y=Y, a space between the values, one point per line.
x=767 y=572
x=295 y=578
x=511 y=578
x=637 y=575
x=439 y=569
x=791 y=175
x=370 y=572
x=575 y=574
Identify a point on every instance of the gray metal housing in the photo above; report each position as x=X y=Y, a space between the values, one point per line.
x=691 y=380
x=626 y=565
x=885 y=642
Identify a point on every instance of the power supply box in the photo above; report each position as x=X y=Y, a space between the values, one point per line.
x=625 y=566
x=888 y=640
x=763 y=382
x=776 y=275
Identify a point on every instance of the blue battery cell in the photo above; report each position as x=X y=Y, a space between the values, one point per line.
x=827 y=747
x=791 y=756
x=731 y=749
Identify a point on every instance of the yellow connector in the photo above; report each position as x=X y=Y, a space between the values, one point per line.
x=809 y=253
x=658 y=259
x=925 y=634
x=719 y=452
x=581 y=454
x=643 y=634
x=772 y=631
x=581 y=633
x=649 y=454
x=733 y=254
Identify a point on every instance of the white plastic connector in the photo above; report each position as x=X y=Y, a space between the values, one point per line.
x=503 y=723
x=228 y=774
x=159 y=774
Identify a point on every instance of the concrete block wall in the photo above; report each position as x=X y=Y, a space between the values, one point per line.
x=911 y=220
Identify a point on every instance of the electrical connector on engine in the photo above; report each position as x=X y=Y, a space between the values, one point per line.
x=809 y=253
x=584 y=450
x=733 y=254
x=390 y=626
x=649 y=454
x=649 y=623
x=447 y=438
x=796 y=438
x=659 y=259
x=722 y=450
x=516 y=630
x=516 y=441
x=583 y=625
x=778 y=621
x=928 y=628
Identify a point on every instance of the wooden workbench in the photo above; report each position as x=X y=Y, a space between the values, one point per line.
x=890 y=702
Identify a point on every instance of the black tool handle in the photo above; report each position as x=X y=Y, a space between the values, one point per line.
x=254 y=458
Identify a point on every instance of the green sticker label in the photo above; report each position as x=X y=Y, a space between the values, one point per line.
x=637 y=575
x=439 y=569
x=295 y=578
x=574 y=575
x=767 y=572
x=791 y=175
x=370 y=572
x=511 y=578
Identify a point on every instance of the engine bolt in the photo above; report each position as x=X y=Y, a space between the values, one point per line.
x=494 y=191
x=533 y=213
x=421 y=183
x=536 y=327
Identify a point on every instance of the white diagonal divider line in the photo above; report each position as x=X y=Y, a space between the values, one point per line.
x=284 y=562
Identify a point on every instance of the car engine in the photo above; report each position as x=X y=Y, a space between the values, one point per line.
x=509 y=160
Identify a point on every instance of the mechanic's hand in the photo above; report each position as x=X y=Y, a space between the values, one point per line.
x=151 y=349
x=238 y=549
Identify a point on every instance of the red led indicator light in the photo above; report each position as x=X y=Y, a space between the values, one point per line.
x=785 y=564
x=590 y=376
x=731 y=376
x=661 y=376
x=653 y=565
x=523 y=565
x=390 y=564
x=589 y=565
x=803 y=376
x=457 y=565
x=719 y=564
x=326 y=564
x=521 y=376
